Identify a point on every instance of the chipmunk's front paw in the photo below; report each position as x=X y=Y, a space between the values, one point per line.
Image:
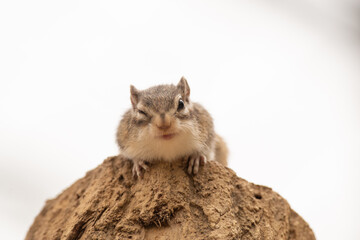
x=139 y=168
x=194 y=162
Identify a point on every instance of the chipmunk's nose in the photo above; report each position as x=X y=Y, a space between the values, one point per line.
x=163 y=127
x=163 y=122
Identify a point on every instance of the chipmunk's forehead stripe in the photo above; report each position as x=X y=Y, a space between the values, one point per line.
x=160 y=97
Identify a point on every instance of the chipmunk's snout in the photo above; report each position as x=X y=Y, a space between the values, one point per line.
x=164 y=127
x=163 y=122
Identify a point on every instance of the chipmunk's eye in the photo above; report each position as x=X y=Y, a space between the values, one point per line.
x=180 y=105
x=142 y=112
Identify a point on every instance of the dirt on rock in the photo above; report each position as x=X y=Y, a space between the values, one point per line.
x=167 y=204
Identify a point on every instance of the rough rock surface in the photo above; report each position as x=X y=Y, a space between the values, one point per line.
x=167 y=204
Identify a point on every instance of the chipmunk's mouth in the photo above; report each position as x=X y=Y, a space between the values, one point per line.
x=167 y=136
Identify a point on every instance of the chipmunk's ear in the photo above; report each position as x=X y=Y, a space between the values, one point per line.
x=134 y=96
x=184 y=88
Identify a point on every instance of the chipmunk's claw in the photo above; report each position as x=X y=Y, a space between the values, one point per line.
x=139 y=168
x=194 y=163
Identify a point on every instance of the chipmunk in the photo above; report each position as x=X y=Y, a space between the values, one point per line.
x=163 y=124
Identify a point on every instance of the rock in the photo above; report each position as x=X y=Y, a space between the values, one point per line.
x=167 y=204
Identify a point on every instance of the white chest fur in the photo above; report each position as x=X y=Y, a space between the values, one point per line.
x=147 y=147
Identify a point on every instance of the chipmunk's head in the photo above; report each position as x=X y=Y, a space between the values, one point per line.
x=162 y=111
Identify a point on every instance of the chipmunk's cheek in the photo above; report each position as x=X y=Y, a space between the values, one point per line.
x=148 y=132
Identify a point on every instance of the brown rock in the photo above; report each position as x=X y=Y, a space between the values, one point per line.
x=167 y=204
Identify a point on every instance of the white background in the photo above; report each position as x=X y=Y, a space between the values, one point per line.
x=281 y=80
